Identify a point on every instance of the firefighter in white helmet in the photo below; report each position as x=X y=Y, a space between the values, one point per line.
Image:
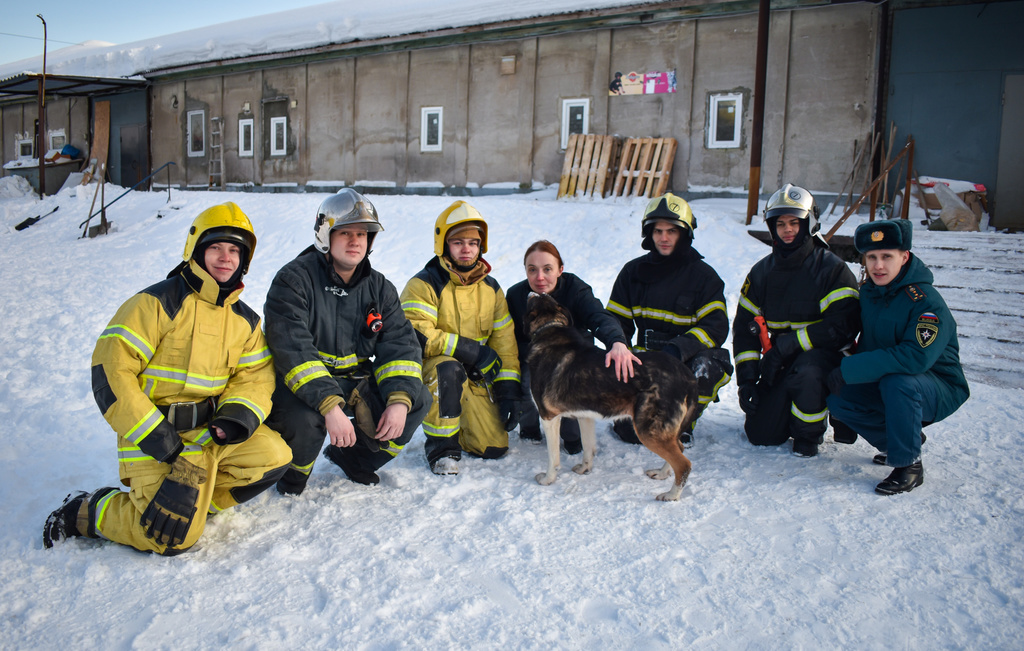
x=801 y=299
x=183 y=374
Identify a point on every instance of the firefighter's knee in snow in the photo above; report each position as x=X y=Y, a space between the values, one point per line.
x=450 y=378
x=249 y=491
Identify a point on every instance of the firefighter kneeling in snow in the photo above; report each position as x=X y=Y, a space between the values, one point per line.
x=184 y=376
x=470 y=358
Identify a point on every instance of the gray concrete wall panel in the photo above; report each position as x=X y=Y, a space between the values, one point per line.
x=439 y=77
x=284 y=93
x=241 y=102
x=381 y=92
x=167 y=140
x=330 y=105
x=831 y=93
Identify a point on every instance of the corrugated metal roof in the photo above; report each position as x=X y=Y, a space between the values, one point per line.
x=27 y=85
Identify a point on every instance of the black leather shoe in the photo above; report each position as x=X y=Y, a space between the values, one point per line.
x=880 y=459
x=902 y=480
x=572 y=446
x=805 y=448
x=342 y=460
x=529 y=433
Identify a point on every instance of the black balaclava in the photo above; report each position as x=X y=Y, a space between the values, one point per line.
x=199 y=255
x=787 y=249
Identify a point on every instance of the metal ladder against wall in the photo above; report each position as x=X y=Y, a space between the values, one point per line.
x=216 y=153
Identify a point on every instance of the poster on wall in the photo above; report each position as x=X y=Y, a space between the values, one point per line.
x=643 y=83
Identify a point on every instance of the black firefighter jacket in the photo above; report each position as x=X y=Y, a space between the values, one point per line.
x=811 y=293
x=316 y=328
x=679 y=304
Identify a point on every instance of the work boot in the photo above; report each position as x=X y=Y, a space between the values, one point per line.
x=686 y=437
x=880 y=459
x=572 y=445
x=348 y=466
x=63 y=523
x=902 y=480
x=624 y=430
x=529 y=432
x=445 y=466
x=805 y=448
x=841 y=432
x=292 y=482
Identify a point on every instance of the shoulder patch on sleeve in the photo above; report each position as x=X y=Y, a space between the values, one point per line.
x=915 y=293
x=746 y=286
x=926 y=333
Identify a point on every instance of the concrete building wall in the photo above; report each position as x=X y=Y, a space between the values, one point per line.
x=357 y=119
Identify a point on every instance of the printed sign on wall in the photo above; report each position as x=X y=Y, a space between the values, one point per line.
x=643 y=83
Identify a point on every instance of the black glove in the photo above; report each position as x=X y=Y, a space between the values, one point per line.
x=235 y=432
x=835 y=381
x=785 y=347
x=169 y=514
x=507 y=394
x=748 y=397
x=478 y=357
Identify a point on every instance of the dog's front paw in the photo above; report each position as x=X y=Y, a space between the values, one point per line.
x=546 y=478
x=583 y=468
x=671 y=495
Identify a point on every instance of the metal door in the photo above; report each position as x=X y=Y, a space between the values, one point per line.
x=1008 y=204
x=133 y=154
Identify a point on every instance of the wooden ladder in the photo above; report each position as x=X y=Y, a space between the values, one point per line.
x=216 y=153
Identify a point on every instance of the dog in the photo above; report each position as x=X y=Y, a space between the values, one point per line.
x=569 y=378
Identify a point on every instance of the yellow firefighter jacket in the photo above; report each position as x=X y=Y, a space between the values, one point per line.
x=443 y=306
x=182 y=340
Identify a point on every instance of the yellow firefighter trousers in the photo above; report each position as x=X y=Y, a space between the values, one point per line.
x=480 y=432
x=227 y=467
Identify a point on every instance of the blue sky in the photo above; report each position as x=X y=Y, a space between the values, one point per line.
x=115 y=21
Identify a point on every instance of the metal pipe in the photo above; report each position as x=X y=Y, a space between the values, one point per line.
x=757 y=129
x=41 y=144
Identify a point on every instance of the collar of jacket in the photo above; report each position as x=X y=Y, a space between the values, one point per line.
x=203 y=284
x=791 y=259
x=361 y=271
x=474 y=275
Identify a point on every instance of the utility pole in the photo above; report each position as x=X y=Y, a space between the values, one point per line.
x=41 y=143
x=757 y=129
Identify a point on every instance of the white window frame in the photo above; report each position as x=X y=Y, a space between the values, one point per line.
x=244 y=152
x=567 y=106
x=425 y=114
x=281 y=150
x=193 y=153
x=19 y=144
x=713 y=102
x=58 y=133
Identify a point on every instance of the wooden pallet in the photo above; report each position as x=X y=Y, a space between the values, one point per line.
x=589 y=160
x=645 y=167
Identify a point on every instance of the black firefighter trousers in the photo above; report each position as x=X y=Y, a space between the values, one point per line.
x=303 y=429
x=794 y=407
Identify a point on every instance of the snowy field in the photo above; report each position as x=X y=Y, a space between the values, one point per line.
x=763 y=551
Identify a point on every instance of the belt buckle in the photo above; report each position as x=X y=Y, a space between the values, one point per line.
x=647 y=338
x=172 y=412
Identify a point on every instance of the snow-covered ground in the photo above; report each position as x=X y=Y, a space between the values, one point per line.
x=763 y=551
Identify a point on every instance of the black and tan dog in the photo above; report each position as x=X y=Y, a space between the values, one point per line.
x=568 y=377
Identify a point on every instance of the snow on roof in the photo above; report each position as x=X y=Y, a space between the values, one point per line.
x=295 y=29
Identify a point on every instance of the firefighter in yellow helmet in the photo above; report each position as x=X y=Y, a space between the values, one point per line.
x=470 y=359
x=674 y=302
x=183 y=374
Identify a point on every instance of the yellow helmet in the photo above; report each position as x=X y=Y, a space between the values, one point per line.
x=459 y=213
x=222 y=223
x=670 y=208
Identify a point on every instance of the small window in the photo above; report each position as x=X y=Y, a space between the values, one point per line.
x=575 y=118
x=431 y=125
x=58 y=139
x=279 y=136
x=25 y=149
x=245 y=140
x=196 y=133
x=725 y=120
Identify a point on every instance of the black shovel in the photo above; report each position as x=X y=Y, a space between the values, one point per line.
x=31 y=220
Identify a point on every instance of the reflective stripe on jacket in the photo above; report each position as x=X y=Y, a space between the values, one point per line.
x=180 y=341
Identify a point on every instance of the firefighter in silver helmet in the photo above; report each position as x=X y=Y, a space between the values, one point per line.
x=801 y=302
x=348 y=363
x=188 y=408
